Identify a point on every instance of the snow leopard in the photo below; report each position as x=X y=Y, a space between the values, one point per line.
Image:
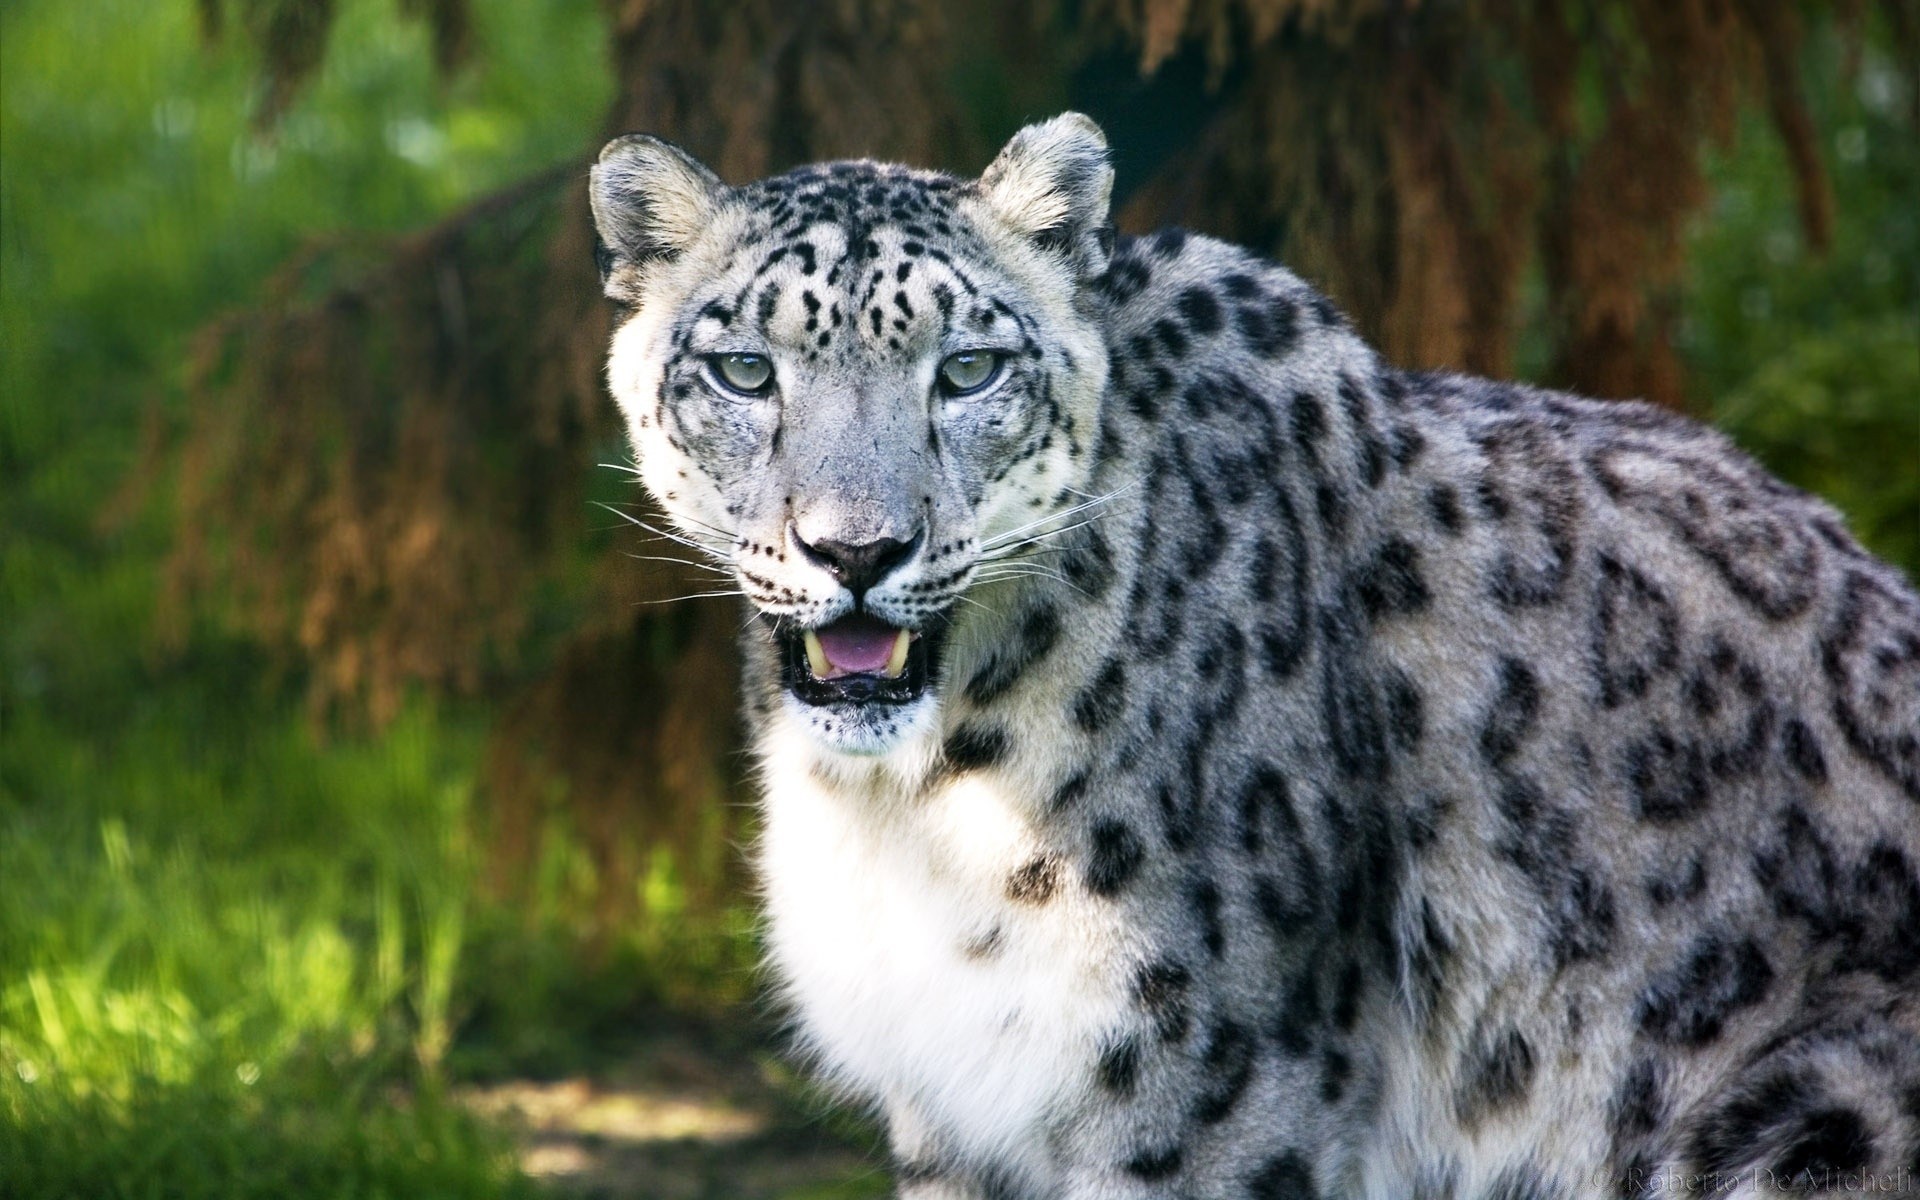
x=1200 y=759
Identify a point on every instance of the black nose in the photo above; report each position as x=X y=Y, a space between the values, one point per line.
x=858 y=567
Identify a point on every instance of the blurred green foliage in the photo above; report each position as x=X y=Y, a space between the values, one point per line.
x=236 y=960
x=222 y=944
x=1812 y=360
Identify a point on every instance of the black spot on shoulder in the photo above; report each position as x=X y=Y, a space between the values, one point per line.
x=1408 y=445
x=1152 y=1165
x=1278 y=582
x=1336 y=1069
x=1179 y=803
x=1295 y=1023
x=1389 y=583
x=1088 y=564
x=1372 y=451
x=1200 y=310
x=1639 y=1105
x=1270 y=332
x=1827 y=1144
x=1034 y=881
x=1161 y=987
x=1037 y=635
x=1347 y=994
x=1667 y=776
x=1227 y=1066
x=1583 y=919
x=1802 y=751
x=1069 y=792
x=1118 y=1068
x=1690 y=1002
x=1114 y=856
x=1172 y=338
x=1687 y=882
x=1735 y=1135
x=1529 y=483
x=1104 y=699
x=1443 y=504
x=1204 y=898
x=1168 y=243
x=972 y=747
x=1728 y=695
x=1309 y=424
x=1126 y=278
x=1287 y=1177
x=1331 y=503
x=1871 y=655
x=1510 y=719
x=1286 y=911
x=1353 y=709
x=1496 y=1075
x=1406 y=710
x=1886 y=890
x=1266 y=801
x=1635 y=635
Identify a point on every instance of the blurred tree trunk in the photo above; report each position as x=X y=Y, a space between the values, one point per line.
x=393 y=452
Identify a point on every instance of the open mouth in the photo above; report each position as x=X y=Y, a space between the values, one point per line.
x=856 y=660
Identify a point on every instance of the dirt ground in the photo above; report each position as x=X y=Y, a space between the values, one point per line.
x=684 y=1114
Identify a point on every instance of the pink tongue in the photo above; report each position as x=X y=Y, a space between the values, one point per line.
x=858 y=645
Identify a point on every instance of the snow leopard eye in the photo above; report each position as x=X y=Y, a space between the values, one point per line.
x=968 y=371
x=746 y=374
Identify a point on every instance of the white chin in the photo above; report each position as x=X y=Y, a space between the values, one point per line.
x=865 y=730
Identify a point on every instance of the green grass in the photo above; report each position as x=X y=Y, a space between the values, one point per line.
x=309 y=1132
x=222 y=947
x=238 y=961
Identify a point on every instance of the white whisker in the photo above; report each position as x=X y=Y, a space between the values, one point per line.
x=685 y=562
x=1015 y=532
x=696 y=596
x=690 y=542
x=990 y=611
x=1000 y=553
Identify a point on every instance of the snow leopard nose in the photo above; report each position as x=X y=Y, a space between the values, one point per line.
x=861 y=566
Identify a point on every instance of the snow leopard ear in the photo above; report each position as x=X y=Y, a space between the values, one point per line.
x=1053 y=183
x=650 y=200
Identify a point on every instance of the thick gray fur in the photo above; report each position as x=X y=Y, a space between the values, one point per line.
x=1338 y=780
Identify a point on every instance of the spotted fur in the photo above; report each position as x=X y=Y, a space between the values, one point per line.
x=1333 y=780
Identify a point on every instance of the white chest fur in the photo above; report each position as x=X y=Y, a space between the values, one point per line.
x=969 y=1014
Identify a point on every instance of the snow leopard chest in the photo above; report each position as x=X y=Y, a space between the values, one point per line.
x=936 y=960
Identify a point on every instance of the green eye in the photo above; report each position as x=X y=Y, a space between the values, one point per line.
x=747 y=373
x=968 y=371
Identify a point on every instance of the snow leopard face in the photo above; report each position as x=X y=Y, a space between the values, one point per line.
x=862 y=389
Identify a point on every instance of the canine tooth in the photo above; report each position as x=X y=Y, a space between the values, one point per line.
x=817 y=656
x=897 y=661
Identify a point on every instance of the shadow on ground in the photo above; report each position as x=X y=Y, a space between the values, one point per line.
x=683 y=1113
